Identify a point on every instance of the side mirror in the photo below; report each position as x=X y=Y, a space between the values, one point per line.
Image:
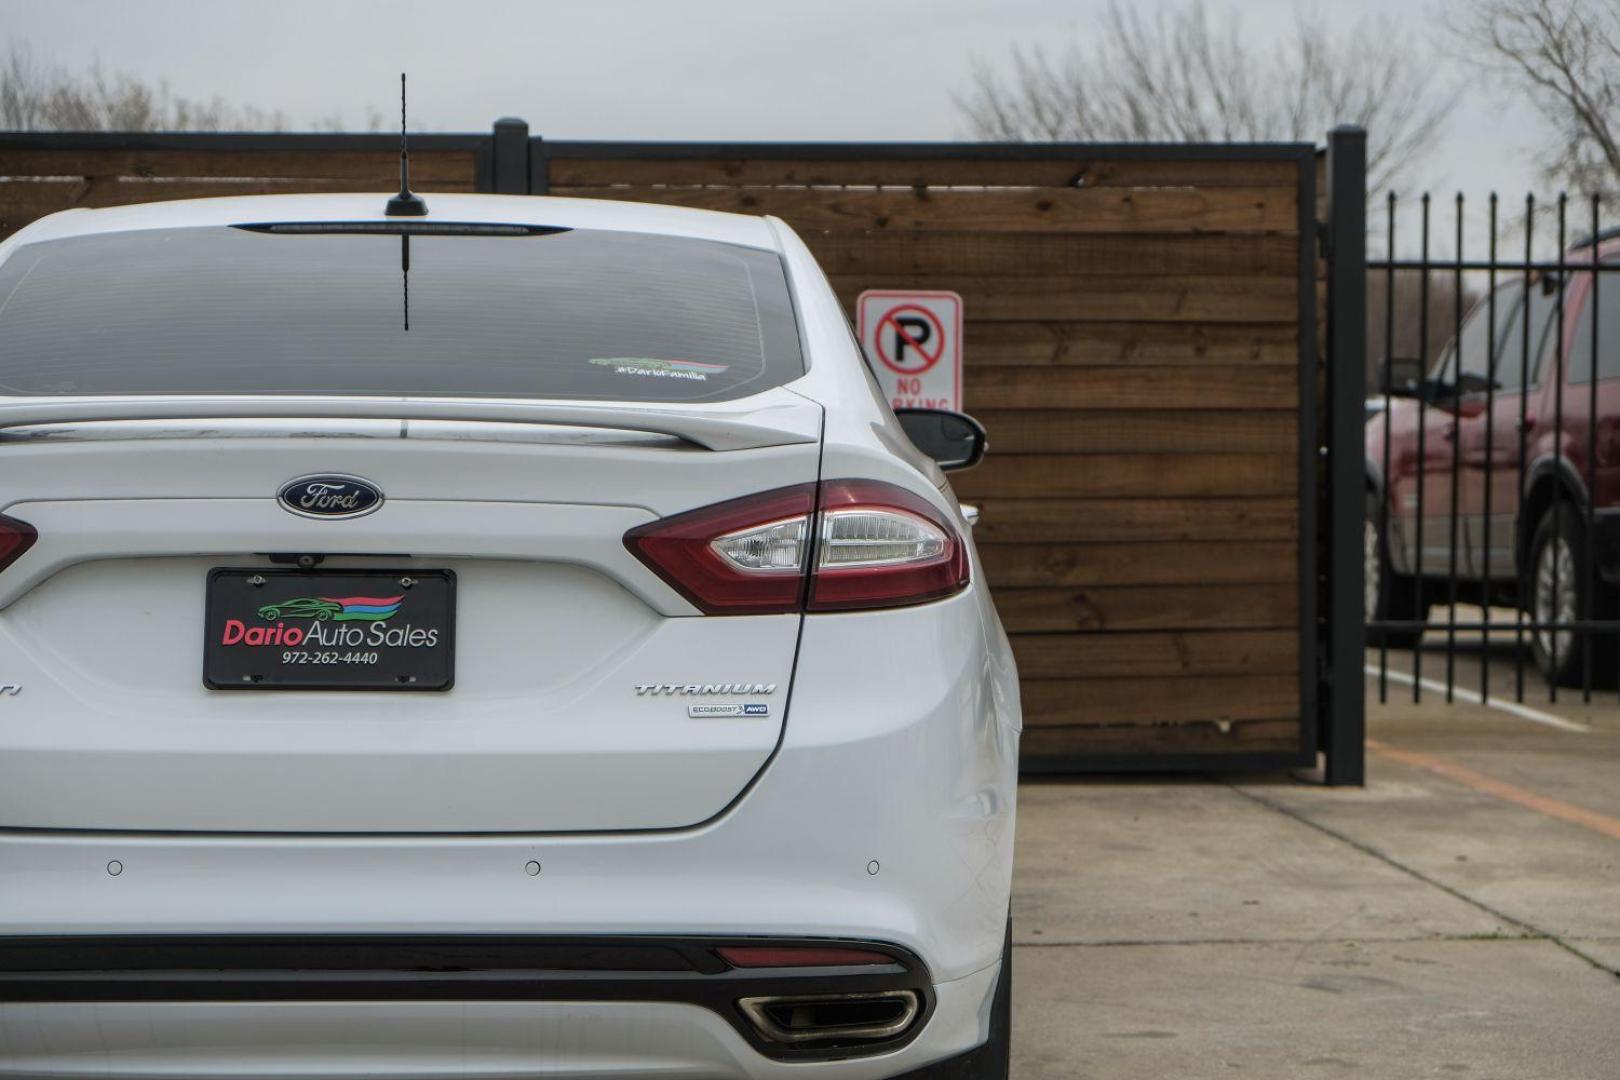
x=954 y=440
x=1471 y=383
x=1402 y=377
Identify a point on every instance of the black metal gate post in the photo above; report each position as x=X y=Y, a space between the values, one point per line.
x=1343 y=694
x=510 y=172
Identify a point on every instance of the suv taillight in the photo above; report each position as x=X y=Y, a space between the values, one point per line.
x=16 y=537
x=872 y=544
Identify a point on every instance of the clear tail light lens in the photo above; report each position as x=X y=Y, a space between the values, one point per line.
x=882 y=546
x=777 y=546
x=16 y=537
x=872 y=545
x=878 y=538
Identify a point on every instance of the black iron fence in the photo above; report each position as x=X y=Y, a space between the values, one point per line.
x=1493 y=459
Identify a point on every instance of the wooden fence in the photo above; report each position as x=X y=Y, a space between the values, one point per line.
x=1141 y=343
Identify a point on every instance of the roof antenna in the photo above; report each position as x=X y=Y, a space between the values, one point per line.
x=404 y=204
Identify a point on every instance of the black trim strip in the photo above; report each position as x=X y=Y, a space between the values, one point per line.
x=561 y=149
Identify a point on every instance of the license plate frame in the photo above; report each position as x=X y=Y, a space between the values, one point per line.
x=410 y=644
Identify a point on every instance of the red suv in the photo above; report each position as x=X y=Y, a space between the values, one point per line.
x=1514 y=460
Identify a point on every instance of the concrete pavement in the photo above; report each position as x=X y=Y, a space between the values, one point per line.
x=1460 y=916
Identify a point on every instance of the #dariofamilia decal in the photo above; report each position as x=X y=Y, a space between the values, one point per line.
x=696 y=370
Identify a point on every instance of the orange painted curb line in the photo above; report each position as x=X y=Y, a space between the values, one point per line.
x=1501 y=789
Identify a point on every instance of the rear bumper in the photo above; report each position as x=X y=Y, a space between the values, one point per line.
x=419 y=1040
x=885 y=817
x=656 y=971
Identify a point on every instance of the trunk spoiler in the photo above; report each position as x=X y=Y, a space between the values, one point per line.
x=776 y=417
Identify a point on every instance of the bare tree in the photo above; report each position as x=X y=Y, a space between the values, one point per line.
x=40 y=97
x=1183 y=75
x=1564 y=57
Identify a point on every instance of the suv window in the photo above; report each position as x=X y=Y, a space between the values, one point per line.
x=494 y=311
x=1608 y=333
x=1511 y=370
x=1471 y=345
x=1471 y=351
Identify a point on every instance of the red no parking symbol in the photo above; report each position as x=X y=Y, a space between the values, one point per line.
x=910 y=339
x=913 y=344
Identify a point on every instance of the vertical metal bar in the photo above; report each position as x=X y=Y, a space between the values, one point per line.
x=511 y=174
x=1418 y=562
x=1558 y=433
x=1456 y=459
x=1384 y=493
x=1524 y=432
x=1345 y=707
x=1490 y=458
x=1590 y=581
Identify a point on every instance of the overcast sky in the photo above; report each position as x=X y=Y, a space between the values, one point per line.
x=659 y=69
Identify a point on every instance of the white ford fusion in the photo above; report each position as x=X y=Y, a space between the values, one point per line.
x=516 y=640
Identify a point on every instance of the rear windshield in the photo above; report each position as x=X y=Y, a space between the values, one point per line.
x=303 y=310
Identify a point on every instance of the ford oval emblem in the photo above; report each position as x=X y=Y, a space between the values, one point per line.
x=330 y=496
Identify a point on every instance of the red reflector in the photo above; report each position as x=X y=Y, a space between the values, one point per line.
x=787 y=956
x=16 y=537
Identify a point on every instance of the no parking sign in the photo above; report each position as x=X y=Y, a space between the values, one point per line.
x=913 y=341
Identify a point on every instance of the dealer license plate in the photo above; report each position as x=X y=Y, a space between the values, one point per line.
x=330 y=630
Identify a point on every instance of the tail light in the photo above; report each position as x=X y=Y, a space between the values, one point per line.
x=840 y=546
x=733 y=558
x=16 y=537
x=882 y=546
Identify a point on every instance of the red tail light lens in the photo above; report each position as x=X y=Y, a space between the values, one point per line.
x=16 y=537
x=733 y=558
x=873 y=545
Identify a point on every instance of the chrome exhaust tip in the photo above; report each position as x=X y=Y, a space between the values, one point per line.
x=796 y=1019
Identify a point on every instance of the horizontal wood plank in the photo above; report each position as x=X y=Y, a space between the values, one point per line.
x=1073 y=744
x=1110 y=655
x=1103 y=431
x=1098 y=210
x=381 y=167
x=921 y=172
x=1214 y=386
x=1118 y=343
x=1169 y=563
x=1145 y=700
x=1051 y=476
x=1148 y=607
x=1007 y=520
x=1103 y=298
x=1027 y=254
